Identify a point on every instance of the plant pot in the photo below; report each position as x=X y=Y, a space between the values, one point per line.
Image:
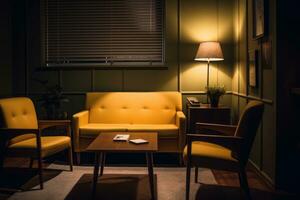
x=53 y=113
x=214 y=101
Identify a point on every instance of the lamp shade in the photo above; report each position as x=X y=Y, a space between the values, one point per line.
x=209 y=51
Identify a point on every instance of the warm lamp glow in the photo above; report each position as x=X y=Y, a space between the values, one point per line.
x=209 y=51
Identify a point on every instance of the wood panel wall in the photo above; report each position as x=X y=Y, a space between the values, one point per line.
x=263 y=155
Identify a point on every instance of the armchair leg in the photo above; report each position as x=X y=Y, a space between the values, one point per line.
x=31 y=162
x=70 y=152
x=196 y=174
x=188 y=177
x=40 y=172
x=244 y=184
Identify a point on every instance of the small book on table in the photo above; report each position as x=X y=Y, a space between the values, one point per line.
x=121 y=137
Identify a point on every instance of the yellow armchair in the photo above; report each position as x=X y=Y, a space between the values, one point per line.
x=20 y=133
x=229 y=150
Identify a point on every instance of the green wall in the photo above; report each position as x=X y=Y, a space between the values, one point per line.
x=263 y=151
x=5 y=49
x=205 y=21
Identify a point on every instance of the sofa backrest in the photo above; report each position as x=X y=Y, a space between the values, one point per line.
x=133 y=107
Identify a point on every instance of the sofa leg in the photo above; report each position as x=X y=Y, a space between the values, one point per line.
x=70 y=155
x=78 y=158
x=180 y=159
x=196 y=174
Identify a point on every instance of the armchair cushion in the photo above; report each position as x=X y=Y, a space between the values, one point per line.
x=91 y=130
x=205 y=152
x=209 y=150
x=50 y=145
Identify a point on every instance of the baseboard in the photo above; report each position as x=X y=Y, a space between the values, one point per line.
x=264 y=177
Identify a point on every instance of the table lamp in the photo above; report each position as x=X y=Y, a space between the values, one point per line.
x=209 y=51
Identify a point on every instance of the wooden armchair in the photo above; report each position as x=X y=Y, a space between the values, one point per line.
x=20 y=133
x=228 y=150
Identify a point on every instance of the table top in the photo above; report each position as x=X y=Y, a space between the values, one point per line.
x=207 y=106
x=104 y=143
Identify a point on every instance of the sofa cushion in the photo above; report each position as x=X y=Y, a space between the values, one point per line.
x=164 y=130
x=133 y=107
x=93 y=129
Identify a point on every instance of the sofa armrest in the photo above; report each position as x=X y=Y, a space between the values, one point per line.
x=181 y=123
x=79 y=119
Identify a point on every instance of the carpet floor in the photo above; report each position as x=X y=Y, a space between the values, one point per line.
x=116 y=183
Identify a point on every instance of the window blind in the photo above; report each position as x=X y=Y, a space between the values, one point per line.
x=102 y=32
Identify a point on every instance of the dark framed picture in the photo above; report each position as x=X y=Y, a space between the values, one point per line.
x=266 y=54
x=258 y=18
x=253 y=68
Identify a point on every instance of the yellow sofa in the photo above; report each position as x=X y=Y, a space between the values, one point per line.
x=132 y=111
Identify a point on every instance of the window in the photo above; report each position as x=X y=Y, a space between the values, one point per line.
x=102 y=33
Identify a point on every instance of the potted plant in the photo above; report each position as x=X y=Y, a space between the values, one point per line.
x=214 y=93
x=52 y=100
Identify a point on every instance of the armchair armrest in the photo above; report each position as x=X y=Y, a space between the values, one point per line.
x=231 y=142
x=216 y=128
x=181 y=123
x=13 y=132
x=43 y=124
x=8 y=133
x=79 y=119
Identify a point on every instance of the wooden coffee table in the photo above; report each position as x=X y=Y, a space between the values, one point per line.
x=104 y=143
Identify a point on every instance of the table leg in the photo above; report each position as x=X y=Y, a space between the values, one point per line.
x=96 y=173
x=103 y=157
x=150 y=173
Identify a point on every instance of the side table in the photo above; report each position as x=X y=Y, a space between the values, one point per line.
x=206 y=114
